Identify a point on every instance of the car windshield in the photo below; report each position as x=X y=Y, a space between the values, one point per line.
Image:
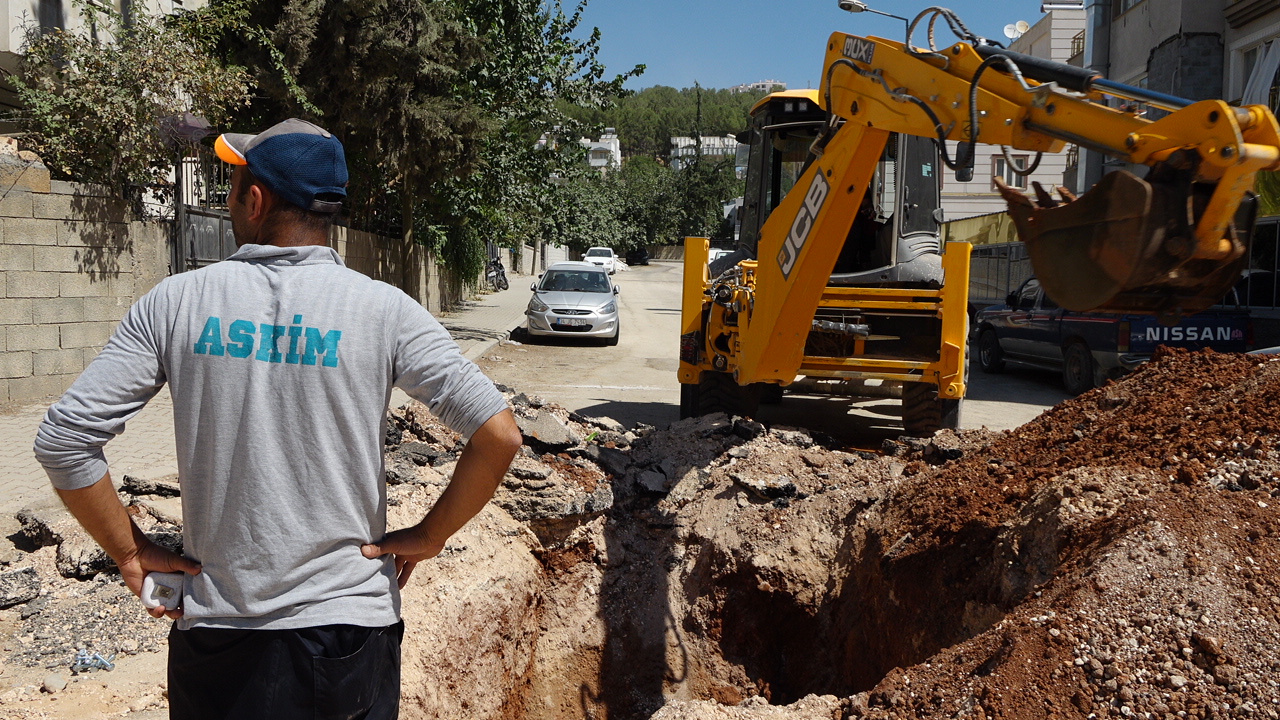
x=575 y=281
x=599 y=252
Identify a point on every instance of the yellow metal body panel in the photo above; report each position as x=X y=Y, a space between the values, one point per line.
x=802 y=94
x=804 y=235
x=693 y=297
x=948 y=371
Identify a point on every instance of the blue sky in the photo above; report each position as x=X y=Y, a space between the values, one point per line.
x=721 y=43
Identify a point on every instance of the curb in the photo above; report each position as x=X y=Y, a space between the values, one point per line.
x=484 y=346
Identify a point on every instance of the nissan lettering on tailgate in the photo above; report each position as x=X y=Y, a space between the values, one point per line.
x=1225 y=334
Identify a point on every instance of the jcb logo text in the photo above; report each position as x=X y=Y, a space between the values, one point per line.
x=803 y=224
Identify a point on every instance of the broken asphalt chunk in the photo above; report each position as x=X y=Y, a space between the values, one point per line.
x=770 y=487
x=547 y=432
x=18 y=586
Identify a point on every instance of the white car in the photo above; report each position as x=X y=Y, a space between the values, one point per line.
x=603 y=257
x=574 y=299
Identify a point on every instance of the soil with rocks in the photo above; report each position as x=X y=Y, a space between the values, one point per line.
x=1116 y=557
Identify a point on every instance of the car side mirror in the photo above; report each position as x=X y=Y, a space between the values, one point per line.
x=533 y=287
x=1011 y=300
x=615 y=289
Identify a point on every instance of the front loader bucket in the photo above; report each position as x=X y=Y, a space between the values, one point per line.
x=1127 y=245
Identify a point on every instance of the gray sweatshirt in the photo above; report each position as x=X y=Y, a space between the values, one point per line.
x=280 y=362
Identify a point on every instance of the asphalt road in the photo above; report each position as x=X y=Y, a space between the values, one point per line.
x=636 y=380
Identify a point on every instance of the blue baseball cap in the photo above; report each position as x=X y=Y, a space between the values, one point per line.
x=297 y=160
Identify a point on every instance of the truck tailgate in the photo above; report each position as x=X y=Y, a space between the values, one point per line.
x=1224 y=332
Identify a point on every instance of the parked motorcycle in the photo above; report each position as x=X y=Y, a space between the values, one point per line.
x=496 y=274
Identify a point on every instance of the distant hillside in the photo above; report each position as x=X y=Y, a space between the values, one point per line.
x=647 y=120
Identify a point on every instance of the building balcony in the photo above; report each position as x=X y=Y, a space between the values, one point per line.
x=1242 y=12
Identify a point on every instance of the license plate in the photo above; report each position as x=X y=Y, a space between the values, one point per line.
x=574 y=322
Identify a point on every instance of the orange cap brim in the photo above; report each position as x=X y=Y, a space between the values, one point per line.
x=227 y=153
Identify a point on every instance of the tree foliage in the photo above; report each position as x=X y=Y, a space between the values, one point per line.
x=93 y=99
x=647 y=120
x=534 y=66
x=440 y=104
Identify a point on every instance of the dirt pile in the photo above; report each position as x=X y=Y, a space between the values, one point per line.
x=1116 y=557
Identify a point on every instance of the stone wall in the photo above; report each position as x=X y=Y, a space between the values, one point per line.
x=71 y=264
x=410 y=268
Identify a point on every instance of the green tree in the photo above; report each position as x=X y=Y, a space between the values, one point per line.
x=647 y=120
x=386 y=76
x=440 y=104
x=534 y=68
x=703 y=186
x=650 y=194
x=92 y=100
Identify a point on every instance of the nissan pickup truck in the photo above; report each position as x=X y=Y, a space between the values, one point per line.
x=1089 y=347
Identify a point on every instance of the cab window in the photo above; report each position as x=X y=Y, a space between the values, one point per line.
x=1027 y=295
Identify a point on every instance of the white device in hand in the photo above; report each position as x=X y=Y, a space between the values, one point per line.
x=163 y=590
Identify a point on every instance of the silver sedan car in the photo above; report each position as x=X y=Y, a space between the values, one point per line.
x=574 y=299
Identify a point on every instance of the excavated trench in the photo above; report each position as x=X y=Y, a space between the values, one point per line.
x=1115 y=557
x=719 y=603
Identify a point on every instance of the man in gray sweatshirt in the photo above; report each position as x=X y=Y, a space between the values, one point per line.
x=281 y=362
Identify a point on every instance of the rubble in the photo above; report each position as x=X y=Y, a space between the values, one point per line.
x=1116 y=557
x=164 y=487
x=545 y=431
x=18 y=586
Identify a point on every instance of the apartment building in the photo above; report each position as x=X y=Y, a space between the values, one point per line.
x=684 y=148
x=604 y=153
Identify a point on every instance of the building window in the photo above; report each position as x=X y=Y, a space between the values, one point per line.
x=1123 y=6
x=1000 y=169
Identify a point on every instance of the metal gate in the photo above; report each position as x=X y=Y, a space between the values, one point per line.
x=205 y=237
x=202 y=233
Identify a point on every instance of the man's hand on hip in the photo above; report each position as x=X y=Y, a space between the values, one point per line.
x=149 y=558
x=99 y=510
x=410 y=546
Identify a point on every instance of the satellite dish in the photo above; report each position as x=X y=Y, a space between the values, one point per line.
x=1010 y=31
x=1022 y=26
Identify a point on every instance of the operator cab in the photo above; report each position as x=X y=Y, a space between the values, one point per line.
x=894 y=240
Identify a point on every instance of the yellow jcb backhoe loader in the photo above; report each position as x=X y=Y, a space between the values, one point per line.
x=840 y=276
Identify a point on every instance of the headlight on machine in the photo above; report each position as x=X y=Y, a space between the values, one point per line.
x=612 y=307
x=537 y=305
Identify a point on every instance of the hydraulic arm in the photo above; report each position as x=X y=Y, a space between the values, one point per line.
x=1170 y=244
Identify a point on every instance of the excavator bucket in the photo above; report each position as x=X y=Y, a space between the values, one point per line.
x=1127 y=245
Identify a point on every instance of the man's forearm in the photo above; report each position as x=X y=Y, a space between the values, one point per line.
x=98 y=509
x=479 y=471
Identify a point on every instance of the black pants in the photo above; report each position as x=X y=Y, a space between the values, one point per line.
x=333 y=671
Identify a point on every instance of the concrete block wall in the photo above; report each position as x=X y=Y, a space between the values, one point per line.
x=411 y=268
x=71 y=264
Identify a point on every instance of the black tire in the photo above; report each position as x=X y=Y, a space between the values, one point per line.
x=1079 y=371
x=718 y=392
x=770 y=393
x=990 y=356
x=502 y=282
x=612 y=341
x=924 y=413
x=688 y=401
